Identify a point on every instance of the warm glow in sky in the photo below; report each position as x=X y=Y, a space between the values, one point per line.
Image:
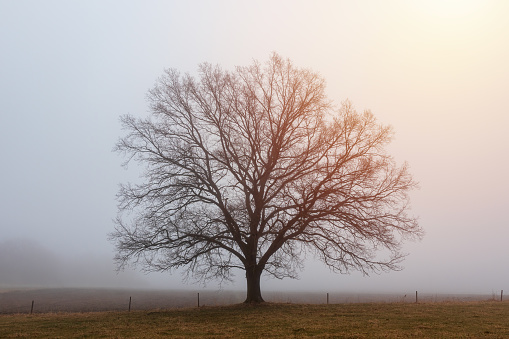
x=437 y=71
x=447 y=9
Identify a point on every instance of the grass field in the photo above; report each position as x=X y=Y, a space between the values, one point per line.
x=488 y=319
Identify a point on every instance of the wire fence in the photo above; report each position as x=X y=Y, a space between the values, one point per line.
x=96 y=300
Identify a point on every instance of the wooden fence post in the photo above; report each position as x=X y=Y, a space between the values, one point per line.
x=501 y=294
x=129 y=304
x=32 y=308
x=327 y=298
x=416 y=300
x=198 y=299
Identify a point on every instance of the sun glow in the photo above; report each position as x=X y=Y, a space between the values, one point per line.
x=448 y=9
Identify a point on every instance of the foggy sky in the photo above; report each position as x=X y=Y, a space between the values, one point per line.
x=437 y=71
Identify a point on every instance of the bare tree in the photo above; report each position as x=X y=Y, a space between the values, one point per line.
x=251 y=169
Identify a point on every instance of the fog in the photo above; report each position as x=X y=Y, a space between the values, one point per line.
x=437 y=71
x=27 y=264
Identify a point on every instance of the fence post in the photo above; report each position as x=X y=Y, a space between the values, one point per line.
x=129 y=304
x=32 y=308
x=501 y=294
x=327 y=298
x=416 y=299
x=198 y=299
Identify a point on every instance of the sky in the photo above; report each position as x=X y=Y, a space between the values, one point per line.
x=435 y=70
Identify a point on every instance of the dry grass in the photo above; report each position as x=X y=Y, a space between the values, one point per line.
x=373 y=320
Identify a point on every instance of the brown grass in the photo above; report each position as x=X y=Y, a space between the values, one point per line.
x=371 y=320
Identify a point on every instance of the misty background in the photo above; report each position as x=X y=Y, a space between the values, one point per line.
x=437 y=71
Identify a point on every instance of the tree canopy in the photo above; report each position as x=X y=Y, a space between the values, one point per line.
x=254 y=167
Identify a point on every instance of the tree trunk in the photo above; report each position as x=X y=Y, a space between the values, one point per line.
x=254 y=294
